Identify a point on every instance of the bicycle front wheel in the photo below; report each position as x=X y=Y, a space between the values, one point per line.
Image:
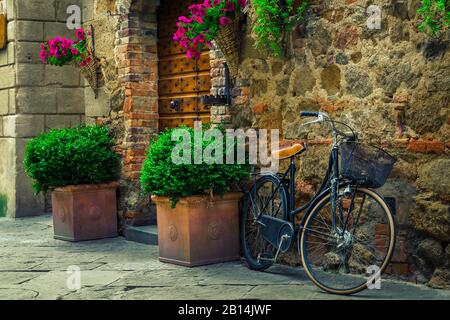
x=341 y=255
x=267 y=197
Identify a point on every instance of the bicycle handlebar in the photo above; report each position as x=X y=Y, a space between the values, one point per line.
x=324 y=117
x=309 y=114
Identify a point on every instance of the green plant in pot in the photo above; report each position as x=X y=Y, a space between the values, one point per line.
x=78 y=166
x=198 y=216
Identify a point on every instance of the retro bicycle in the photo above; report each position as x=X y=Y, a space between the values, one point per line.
x=347 y=230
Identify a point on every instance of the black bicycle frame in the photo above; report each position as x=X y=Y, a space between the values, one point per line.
x=333 y=166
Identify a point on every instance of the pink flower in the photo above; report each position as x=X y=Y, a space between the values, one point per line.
x=185 y=20
x=74 y=51
x=216 y=2
x=229 y=7
x=66 y=43
x=184 y=43
x=192 y=53
x=80 y=34
x=53 y=52
x=181 y=32
x=198 y=19
x=198 y=10
x=201 y=38
x=207 y=4
x=53 y=43
x=43 y=56
x=242 y=3
x=224 y=21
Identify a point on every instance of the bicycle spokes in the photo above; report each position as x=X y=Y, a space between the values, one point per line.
x=339 y=254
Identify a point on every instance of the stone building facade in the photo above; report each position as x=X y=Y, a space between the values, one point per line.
x=33 y=98
x=390 y=84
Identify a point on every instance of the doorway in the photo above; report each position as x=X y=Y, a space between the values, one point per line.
x=182 y=81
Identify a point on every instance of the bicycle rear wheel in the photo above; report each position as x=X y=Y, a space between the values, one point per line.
x=267 y=197
x=343 y=259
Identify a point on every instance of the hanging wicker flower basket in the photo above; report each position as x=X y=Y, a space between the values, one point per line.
x=80 y=53
x=228 y=41
x=89 y=68
x=89 y=72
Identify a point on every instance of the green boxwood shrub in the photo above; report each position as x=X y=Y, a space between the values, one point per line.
x=162 y=177
x=73 y=156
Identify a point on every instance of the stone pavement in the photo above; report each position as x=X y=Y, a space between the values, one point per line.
x=34 y=266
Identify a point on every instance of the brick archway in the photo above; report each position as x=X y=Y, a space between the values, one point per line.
x=137 y=61
x=136 y=54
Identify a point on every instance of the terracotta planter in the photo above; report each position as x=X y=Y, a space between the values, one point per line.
x=85 y=212
x=198 y=231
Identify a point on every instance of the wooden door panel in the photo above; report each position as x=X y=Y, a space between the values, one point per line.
x=171 y=66
x=180 y=79
x=181 y=65
x=187 y=104
x=167 y=47
x=173 y=122
x=185 y=84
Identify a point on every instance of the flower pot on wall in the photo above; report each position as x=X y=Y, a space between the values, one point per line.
x=85 y=212
x=229 y=43
x=199 y=230
x=90 y=73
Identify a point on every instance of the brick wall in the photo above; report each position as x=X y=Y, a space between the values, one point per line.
x=136 y=51
x=128 y=101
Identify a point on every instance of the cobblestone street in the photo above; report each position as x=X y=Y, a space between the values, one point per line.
x=34 y=266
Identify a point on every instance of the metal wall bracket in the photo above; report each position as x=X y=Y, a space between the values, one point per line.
x=222 y=100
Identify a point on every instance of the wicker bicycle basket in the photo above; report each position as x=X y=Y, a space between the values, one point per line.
x=228 y=41
x=367 y=165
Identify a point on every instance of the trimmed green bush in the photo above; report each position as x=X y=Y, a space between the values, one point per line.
x=162 y=177
x=73 y=156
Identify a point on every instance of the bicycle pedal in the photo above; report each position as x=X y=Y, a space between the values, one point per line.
x=265 y=257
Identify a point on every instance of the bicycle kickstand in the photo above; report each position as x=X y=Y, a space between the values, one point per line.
x=284 y=238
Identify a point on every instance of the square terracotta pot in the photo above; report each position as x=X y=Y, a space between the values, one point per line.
x=198 y=231
x=85 y=212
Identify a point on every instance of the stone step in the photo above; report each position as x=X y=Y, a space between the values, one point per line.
x=143 y=234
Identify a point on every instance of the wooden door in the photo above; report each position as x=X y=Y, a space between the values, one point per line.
x=182 y=81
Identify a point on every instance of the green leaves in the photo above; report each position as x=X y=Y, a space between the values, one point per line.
x=73 y=156
x=274 y=19
x=162 y=177
x=434 y=16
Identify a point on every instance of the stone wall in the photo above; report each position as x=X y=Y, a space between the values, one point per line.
x=391 y=85
x=33 y=97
